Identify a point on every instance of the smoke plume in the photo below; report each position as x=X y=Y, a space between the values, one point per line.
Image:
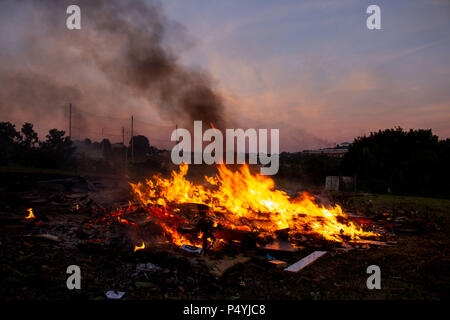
x=124 y=58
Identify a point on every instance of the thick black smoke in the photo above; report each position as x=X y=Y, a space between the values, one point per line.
x=123 y=58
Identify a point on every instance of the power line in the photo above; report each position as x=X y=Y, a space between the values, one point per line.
x=115 y=133
x=98 y=115
x=70 y=120
x=153 y=124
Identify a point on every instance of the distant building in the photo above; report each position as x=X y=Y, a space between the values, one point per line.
x=86 y=149
x=344 y=145
x=339 y=183
x=337 y=152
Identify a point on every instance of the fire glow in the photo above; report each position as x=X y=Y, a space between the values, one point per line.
x=30 y=214
x=241 y=200
x=136 y=248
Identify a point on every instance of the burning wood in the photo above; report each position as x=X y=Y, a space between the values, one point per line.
x=235 y=206
x=30 y=214
x=136 y=248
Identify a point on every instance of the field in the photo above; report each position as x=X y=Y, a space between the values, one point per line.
x=414 y=264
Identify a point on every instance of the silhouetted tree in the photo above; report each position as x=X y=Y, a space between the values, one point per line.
x=24 y=147
x=8 y=139
x=27 y=152
x=141 y=147
x=106 y=148
x=399 y=161
x=57 y=150
x=29 y=137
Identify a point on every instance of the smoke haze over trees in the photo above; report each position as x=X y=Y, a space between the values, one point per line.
x=24 y=147
x=124 y=58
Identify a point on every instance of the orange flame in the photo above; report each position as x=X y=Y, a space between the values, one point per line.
x=176 y=237
x=30 y=214
x=136 y=248
x=249 y=202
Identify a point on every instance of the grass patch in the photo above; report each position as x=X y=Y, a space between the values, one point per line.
x=428 y=208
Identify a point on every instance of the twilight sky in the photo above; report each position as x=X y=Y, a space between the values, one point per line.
x=310 y=68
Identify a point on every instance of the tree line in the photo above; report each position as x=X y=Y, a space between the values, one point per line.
x=411 y=162
x=23 y=147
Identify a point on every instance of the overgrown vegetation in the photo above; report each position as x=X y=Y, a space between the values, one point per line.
x=396 y=161
x=410 y=162
x=310 y=170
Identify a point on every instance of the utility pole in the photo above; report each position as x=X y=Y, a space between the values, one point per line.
x=132 y=140
x=70 y=121
x=123 y=145
x=103 y=145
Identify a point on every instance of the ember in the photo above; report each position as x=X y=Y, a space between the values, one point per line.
x=136 y=248
x=30 y=214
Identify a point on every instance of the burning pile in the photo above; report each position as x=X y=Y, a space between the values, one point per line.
x=240 y=201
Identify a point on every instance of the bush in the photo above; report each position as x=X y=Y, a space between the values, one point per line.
x=404 y=162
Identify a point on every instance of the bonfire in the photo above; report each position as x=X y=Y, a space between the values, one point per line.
x=240 y=201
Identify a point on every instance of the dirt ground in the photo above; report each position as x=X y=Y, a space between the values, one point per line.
x=414 y=265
